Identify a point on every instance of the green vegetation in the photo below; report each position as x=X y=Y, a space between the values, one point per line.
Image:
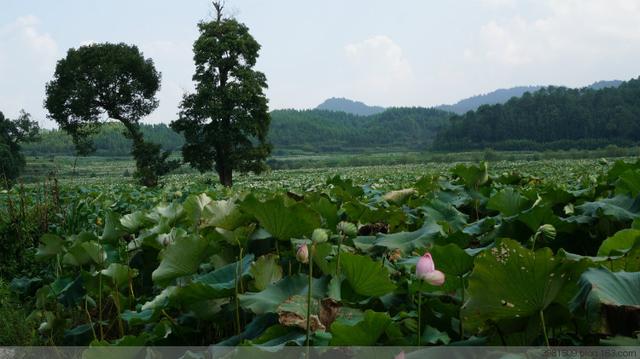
x=113 y=81
x=226 y=121
x=192 y=263
x=329 y=131
x=551 y=118
x=13 y=133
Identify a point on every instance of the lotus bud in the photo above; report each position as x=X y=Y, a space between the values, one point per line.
x=302 y=254
x=425 y=270
x=319 y=235
x=348 y=229
x=547 y=231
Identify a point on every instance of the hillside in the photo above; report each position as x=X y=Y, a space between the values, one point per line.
x=109 y=141
x=349 y=106
x=328 y=131
x=501 y=96
x=553 y=117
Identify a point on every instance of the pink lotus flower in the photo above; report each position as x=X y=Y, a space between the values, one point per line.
x=303 y=253
x=426 y=270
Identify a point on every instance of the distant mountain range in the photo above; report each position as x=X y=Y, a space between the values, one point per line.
x=469 y=104
x=349 y=106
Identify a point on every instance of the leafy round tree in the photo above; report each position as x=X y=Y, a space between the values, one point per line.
x=98 y=82
x=12 y=134
x=225 y=122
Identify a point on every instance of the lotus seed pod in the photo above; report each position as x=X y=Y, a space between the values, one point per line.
x=347 y=228
x=319 y=235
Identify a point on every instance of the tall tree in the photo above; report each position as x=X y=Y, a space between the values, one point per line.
x=12 y=134
x=225 y=122
x=98 y=82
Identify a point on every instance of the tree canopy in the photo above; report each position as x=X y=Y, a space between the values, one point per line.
x=12 y=134
x=226 y=120
x=98 y=82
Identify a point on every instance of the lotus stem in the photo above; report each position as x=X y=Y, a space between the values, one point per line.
x=338 y=256
x=419 y=318
x=544 y=329
x=309 y=298
x=461 y=305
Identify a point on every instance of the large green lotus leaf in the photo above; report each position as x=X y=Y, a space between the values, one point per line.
x=365 y=213
x=629 y=261
x=629 y=182
x=327 y=209
x=440 y=211
x=113 y=230
x=508 y=202
x=283 y=222
x=193 y=207
x=167 y=214
x=222 y=281
x=119 y=274
x=366 y=276
x=224 y=214
x=472 y=176
x=181 y=257
x=269 y=299
x=409 y=241
x=452 y=260
x=611 y=300
x=82 y=253
x=254 y=329
x=50 y=246
x=344 y=187
x=135 y=221
x=619 y=243
x=265 y=271
x=364 y=333
x=323 y=257
x=509 y=281
x=621 y=208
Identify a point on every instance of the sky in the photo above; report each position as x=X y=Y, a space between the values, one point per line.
x=387 y=53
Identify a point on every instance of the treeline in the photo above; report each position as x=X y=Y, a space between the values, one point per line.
x=551 y=118
x=406 y=128
x=109 y=141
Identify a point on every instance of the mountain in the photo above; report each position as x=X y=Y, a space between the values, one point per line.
x=349 y=106
x=503 y=95
x=333 y=131
x=551 y=118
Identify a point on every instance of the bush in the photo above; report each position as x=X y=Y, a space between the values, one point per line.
x=16 y=329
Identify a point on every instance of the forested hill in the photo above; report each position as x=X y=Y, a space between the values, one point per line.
x=553 y=117
x=109 y=141
x=308 y=130
x=329 y=131
x=349 y=106
x=501 y=96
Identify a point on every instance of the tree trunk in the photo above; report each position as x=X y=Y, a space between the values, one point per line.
x=226 y=176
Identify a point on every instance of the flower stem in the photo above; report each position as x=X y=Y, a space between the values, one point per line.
x=338 y=256
x=419 y=318
x=461 y=305
x=309 y=298
x=544 y=329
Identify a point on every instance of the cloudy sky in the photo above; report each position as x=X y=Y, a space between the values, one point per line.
x=389 y=53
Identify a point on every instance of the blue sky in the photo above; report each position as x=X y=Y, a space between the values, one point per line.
x=389 y=53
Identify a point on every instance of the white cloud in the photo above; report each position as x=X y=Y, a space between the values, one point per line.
x=27 y=59
x=379 y=66
x=583 y=31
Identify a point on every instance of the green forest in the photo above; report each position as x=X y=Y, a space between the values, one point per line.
x=551 y=118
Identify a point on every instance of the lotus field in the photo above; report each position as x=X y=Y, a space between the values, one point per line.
x=467 y=255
